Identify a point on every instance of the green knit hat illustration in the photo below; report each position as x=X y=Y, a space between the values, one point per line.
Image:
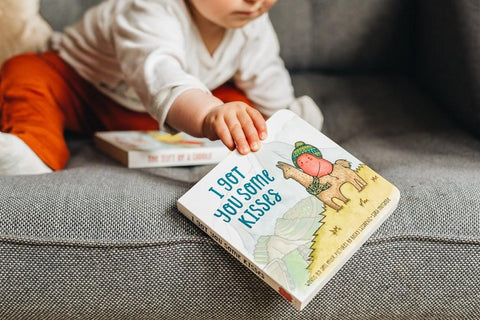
x=301 y=148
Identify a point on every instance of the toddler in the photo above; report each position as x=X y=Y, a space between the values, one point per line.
x=209 y=68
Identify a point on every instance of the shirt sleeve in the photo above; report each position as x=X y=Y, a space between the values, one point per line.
x=150 y=47
x=262 y=74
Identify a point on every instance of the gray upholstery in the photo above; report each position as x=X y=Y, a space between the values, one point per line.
x=99 y=241
x=448 y=56
x=60 y=13
x=344 y=35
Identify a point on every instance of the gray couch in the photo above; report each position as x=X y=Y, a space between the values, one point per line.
x=399 y=84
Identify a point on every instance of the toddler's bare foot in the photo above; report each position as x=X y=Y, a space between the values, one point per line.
x=17 y=158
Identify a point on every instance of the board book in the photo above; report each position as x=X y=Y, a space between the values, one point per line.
x=293 y=212
x=141 y=149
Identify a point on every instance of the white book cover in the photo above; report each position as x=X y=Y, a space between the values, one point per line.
x=141 y=149
x=293 y=212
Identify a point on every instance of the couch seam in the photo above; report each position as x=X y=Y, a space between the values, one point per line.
x=93 y=244
x=418 y=238
x=209 y=241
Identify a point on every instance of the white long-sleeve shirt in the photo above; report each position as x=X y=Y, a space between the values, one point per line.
x=145 y=53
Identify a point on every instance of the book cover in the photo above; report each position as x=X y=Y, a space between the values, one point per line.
x=295 y=211
x=141 y=149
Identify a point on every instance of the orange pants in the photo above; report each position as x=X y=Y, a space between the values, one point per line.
x=41 y=96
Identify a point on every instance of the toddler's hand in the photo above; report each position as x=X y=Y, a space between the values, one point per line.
x=237 y=125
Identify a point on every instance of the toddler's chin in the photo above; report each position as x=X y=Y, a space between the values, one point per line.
x=237 y=23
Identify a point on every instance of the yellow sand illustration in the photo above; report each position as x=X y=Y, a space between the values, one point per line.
x=341 y=228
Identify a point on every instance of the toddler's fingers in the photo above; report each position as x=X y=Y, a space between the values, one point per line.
x=259 y=122
x=250 y=131
x=238 y=135
x=223 y=133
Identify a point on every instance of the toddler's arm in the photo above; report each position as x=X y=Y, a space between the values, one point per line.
x=235 y=123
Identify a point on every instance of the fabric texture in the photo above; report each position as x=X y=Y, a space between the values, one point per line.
x=169 y=57
x=448 y=51
x=99 y=241
x=345 y=35
x=329 y=35
x=54 y=98
x=164 y=281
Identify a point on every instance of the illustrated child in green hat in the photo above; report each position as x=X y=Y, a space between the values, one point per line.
x=310 y=160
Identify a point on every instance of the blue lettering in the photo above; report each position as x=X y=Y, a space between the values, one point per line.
x=219 y=213
x=246 y=222
x=265 y=207
x=266 y=175
x=245 y=195
x=233 y=200
x=216 y=192
x=255 y=209
x=275 y=194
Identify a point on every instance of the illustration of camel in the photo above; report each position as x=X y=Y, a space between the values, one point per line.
x=327 y=187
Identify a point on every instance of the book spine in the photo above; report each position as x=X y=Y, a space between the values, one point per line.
x=186 y=157
x=111 y=150
x=240 y=257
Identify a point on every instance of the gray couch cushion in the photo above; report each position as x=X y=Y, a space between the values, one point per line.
x=333 y=35
x=344 y=35
x=99 y=241
x=393 y=278
x=61 y=13
x=448 y=56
